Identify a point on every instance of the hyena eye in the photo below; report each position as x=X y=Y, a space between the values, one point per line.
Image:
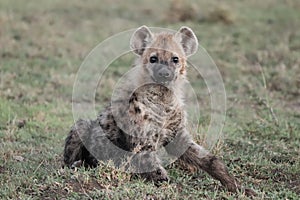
x=175 y=59
x=153 y=59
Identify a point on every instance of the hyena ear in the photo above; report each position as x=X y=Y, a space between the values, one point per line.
x=140 y=39
x=187 y=38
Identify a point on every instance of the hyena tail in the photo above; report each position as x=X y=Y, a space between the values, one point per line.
x=75 y=153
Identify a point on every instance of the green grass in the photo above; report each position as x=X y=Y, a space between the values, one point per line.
x=255 y=44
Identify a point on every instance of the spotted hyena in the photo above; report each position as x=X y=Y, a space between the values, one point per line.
x=146 y=122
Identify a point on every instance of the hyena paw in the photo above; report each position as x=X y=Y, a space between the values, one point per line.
x=76 y=164
x=157 y=176
x=238 y=188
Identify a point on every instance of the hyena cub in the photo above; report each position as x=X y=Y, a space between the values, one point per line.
x=146 y=121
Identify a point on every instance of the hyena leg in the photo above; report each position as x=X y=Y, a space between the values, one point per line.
x=75 y=153
x=198 y=157
x=88 y=143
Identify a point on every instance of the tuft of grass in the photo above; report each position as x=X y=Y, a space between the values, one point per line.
x=221 y=13
x=181 y=11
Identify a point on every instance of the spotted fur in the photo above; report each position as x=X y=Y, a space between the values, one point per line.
x=148 y=116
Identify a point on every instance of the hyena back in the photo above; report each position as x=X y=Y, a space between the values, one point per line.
x=148 y=115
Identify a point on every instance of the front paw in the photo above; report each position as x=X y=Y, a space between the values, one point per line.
x=158 y=176
x=76 y=164
x=238 y=188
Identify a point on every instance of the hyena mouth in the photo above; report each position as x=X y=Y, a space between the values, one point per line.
x=161 y=81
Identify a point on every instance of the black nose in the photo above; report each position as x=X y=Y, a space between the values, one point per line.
x=164 y=73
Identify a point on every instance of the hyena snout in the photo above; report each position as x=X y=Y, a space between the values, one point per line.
x=162 y=74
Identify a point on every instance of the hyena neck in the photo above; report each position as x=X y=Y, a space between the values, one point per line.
x=178 y=89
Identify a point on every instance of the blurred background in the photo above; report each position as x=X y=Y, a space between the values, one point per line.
x=255 y=44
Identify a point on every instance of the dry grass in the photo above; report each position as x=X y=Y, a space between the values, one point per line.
x=255 y=45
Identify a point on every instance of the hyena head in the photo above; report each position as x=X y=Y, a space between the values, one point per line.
x=163 y=55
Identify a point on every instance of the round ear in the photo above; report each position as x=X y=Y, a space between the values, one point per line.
x=140 y=39
x=187 y=38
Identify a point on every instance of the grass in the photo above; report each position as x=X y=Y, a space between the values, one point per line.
x=255 y=44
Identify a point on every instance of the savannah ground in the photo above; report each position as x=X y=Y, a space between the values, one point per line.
x=255 y=44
